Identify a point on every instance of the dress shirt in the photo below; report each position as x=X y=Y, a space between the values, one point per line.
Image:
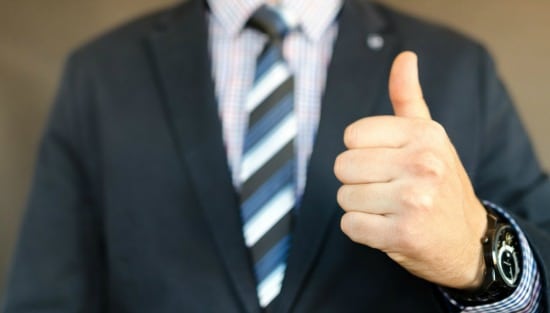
x=234 y=50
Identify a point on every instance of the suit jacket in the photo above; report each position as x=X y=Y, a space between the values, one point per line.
x=133 y=209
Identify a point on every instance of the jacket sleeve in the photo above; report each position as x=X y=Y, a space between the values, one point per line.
x=58 y=264
x=508 y=172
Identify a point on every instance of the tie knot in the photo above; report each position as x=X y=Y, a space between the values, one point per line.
x=270 y=21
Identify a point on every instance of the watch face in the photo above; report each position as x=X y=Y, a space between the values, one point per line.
x=507 y=256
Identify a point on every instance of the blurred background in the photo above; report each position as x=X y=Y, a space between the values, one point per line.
x=36 y=35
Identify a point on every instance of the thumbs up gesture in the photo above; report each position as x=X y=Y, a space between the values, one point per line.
x=405 y=191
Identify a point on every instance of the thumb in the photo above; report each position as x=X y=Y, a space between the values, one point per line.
x=405 y=90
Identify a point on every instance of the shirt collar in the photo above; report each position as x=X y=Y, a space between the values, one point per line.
x=313 y=16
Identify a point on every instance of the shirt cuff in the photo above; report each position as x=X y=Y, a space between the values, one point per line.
x=527 y=296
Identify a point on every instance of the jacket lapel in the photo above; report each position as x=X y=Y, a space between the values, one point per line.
x=356 y=82
x=180 y=52
x=356 y=86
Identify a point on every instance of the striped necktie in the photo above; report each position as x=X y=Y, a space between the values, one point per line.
x=268 y=167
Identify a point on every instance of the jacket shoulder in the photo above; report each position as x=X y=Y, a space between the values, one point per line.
x=423 y=36
x=127 y=39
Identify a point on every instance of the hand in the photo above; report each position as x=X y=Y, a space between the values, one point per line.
x=405 y=191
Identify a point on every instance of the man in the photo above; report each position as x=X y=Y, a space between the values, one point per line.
x=160 y=190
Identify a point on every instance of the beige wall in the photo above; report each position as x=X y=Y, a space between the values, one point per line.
x=35 y=35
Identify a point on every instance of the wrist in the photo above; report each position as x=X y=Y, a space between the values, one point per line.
x=478 y=223
x=502 y=264
x=480 y=273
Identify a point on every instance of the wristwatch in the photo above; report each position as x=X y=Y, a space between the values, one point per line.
x=502 y=256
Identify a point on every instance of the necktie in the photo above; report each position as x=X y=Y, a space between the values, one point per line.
x=267 y=173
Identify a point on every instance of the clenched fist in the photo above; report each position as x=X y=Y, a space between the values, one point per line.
x=405 y=191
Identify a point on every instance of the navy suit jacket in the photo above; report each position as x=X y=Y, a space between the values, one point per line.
x=133 y=209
